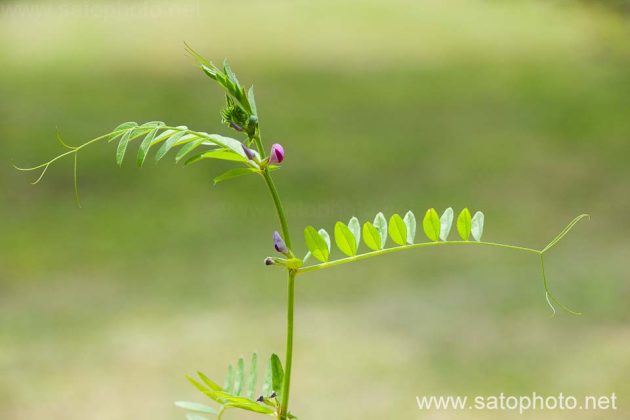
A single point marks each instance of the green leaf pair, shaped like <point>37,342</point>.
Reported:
<point>437,228</point>
<point>156,132</point>
<point>401,230</point>
<point>239,390</point>
<point>348,237</point>
<point>467,225</point>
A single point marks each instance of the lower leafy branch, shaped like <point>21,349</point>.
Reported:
<point>239,391</point>
<point>402,231</point>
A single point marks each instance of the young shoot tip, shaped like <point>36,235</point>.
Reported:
<point>196,56</point>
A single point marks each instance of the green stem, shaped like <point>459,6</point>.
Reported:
<point>259,144</point>
<point>279,209</point>
<point>401,248</point>
<point>286,384</point>
<point>273,190</point>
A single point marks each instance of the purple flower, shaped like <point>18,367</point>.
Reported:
<point>248,152</point>
<point>277,154</point>
<point>279,244</point>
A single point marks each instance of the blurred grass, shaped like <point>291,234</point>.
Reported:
<point>519,109</point>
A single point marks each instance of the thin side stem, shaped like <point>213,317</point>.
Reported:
<point>404,247</point>
<point>286,384</point>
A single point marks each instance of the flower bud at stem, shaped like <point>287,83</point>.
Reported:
<point>279,245</point>
<point>236,126</point>
<point>277,154</point>
<point>249,153</point>
<point>290,263</point>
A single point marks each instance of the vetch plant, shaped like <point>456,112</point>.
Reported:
<point>356,240</point>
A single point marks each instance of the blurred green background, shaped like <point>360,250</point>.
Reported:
<point>521,109</point>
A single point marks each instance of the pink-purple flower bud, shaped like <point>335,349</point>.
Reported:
<point>248,152</point>
<point>277,154</point>
<point>278,243</point>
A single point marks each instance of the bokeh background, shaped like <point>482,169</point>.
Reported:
<point>521,109</point>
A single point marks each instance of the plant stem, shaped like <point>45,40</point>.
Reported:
<point>286,384</point>
<point>279,209</point>
<point>259,144</point>
<point>273,190</point>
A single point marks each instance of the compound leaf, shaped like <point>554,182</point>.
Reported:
<point>122,129</point>
<point>239,377</point>
<point>122,146</point>
<point>230,143</point>
<point>355,228</point>
<point>192,406</point>
<point>446,222</point>
<point>245,404</point>
<point>345,240</point>
<point>220,154</point>
<point>431,224</point>
<point>326,237</point>
<point>371,236</point>
<point>186,149</point>
<point>212,385</point>
<point>191,416</point>
<point>163,136</point>
<point>234,173</point>
<point>229,380</point>
<point>252,100</point>
<point>143,150</point>
<point>277,374</point>
<point>251,379</point>
<point>397,229</point>
<point>210,393</point>
<point>410,223</point>
<point>229,73</point>
<point>267,381</point>
<point>476,226</point>
<point>316,244</point>
<point>380,223</point>
<point>169,143</point>
<point>464,224</point>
